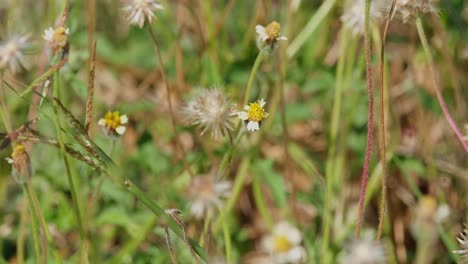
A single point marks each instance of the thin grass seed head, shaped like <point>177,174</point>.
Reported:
<point>212,111</point>
<point>12,53</point>
<point>113,124</point>
<point>139,11</point>
<point>206,195</point>
<point>364,251</point>
<point>21,164</point>
<point>463,241</point>
<point>268,37</point>
<point>354,19</point>
<point>284,244</point>
<point>253,115</point>
<point>57,38</point>
<point>410,9</point>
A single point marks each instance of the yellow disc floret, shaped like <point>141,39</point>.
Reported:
<point>273,30</point>
<point>18,150</point>
<point>281,244</point>
<point>256,112</point>
<point>112,120</point>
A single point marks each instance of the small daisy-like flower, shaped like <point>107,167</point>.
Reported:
<point>211,110</point>
<point>284,244</point>
<point>463,241</point>
<point>354,18</point>
<point>113,123</point>
<point>364,251</point>
<point>12,53</point>
<point>254,114</point>
<point>268,36</point>
<point>140,10</point>
<point>21,170</point>
<point>206,195</point>
<point>57,38</point>
<point>407,9</point>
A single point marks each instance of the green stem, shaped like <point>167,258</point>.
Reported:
<point>258,197</point>
<point>310,28</point>
<point>253,72</point>
<point>227,242</point>
<point>76,207</point>
<point>35,229</point>
<point>238,186</point>
<point>331,160</point>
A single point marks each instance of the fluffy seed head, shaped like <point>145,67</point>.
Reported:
<point>212,111</point>
<point>408,9</point>
<point>364,251</point>
<point>206,195</point>
<point>354,19</point>
<point>12,53</point>
<point>139,11</point>
<point>463,241</point>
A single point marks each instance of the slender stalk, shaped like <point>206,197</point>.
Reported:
<point>331,159</point>
<point>168,95</point>
<point>253,72</point>
<point>258,197</point>
<point>310,28</point>
<point>440,98</point>
<point>35,229</point>
<point>227,242</point>
<point>35,212</point>
<point>76,207</point>
<point>365,172</point>
<point>21,235</point>
<point>382,129</point>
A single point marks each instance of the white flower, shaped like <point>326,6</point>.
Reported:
<point>211,110</point>
<point>284,244</point>
<point>364,251</point>
<point>12,53</point>
<point>354,18</point>
<point>254,114</point>
<point>113,123</point>
<point>268,36</point>
<point>206,195</point>
<point>139,10</point>
<point>463,241</point>
<point>56,38</point>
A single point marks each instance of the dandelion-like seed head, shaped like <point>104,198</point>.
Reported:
<point>364,251</point>
<point>463,241</point>
<point>284,244</point>
<point>113,123</point>
<point>57,38</point>
<point>21,163</point>
<point>12,53</point>
<point>212,111</point>
<point>206,195</point>
<point>354,19</point>
<point>408,9</point>
<point>267,37</point>
<point>254,114</point>
<point>138,11</point>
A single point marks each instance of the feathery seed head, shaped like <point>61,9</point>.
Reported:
<point>364,251</point>
<point>206,195</point>
<point>12,53</point>
<point>139,11</point>
<point>409,9</point>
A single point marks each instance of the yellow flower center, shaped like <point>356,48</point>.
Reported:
<point>19,149</point>
<point>60,37</point>
<point>256,112</point>
<point>112,120</point>
<point>281,244</point>
<point>273,30</point>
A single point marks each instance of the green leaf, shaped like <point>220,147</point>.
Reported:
<point>264,168</point>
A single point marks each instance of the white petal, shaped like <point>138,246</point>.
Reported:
<point>282,38</point>
<point>243,115</point>
<point>48,34</point>
<point>253,126</point>
<point>9,160</point>
<point>67,31</point>
<point>120,130</point>
<point>123,119</point>
<point>246,108</point>
<point>267,243</point>
<point>102,122</point>
<point>289,231</point>
<point>262,102</point>
<point>296,255</point>
<point>261,32</point>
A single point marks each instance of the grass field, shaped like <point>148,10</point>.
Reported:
<point>268,131</point>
